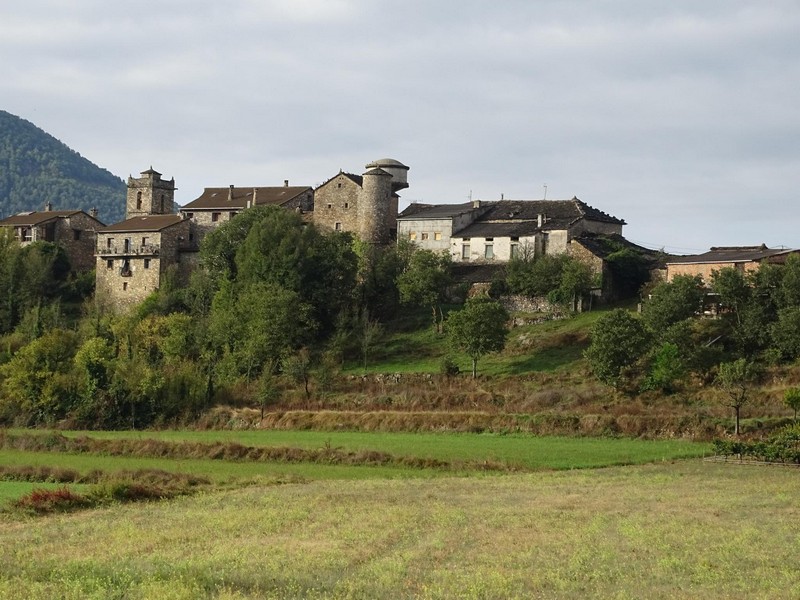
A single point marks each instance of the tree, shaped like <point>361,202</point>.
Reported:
<point>786,332</point>
<point>618,340</point>
<point>575,282</point>
<point>733,288</point>
<point>734,380</point>
<point>667,368</point>
<point>369,332</point>
<point>298,368</point>
<point>425,281</point>
<point>672,302</point>
<point>791,398</point>
<point>478,328</point>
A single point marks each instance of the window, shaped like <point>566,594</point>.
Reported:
<point>514,249</point>
<point>214,217</point>
<point>162,204</point>
<point>27,234</point>
<point>146,263</point>
<point>232,214</point>
<point>465,251</point>
<point>124,286</point>
<point>437,235</point>
<point>330,205</point>
<point>138,200</point>
<point>109,242</point>
<point>488,249</point>
<point>412,235</point>
<point>144,241</point>
<point>110,263</point>
<point>190,215</point>
<point>347,205</point>
<point>424,236</point>
<point>337,226</point>
<point>76,235</point>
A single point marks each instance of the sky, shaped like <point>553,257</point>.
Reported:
<point>680,117</point>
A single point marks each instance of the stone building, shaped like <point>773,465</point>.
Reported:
<point>496,231</point>
<point>742,258</point>
<point>219,205</point>
<point>133,256</point>
<point>73,230</point>
<point>365,205</point>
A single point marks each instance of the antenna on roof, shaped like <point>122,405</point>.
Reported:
<point>470,196</point>
<point>545,192</point>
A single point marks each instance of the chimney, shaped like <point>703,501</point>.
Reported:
<point>540,220</point>
<point>48,207</point>
<point>476,204</point>
<point>285,183</point>
<point>255,194</point>
<point>93,212</point>
<point>230,193</point>
<point>502,196</point>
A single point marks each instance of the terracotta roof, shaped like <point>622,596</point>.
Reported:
<point>218,197</point>
<point>144,223</point>
<point>730,254</point>
<point>38,217</point>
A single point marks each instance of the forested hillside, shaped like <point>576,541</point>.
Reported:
<point>36,168</point>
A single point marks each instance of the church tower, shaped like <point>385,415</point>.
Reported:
<point>150,195</point>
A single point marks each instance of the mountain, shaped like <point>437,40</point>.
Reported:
<point>36,168</point>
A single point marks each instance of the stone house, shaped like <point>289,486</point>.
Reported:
<point>219,205</point>
<point>365,205</point>
<point>73,230</point>
<point>496,231</point>
<point>742,258</point>
<point>133,256</point>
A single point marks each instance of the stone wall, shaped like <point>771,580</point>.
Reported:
<point>77,234</point>
<point>149,195</point>
<point>337,202</point>
<point>705,270</point>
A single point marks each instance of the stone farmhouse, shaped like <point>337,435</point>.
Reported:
<point>132,257</point>
<point>73,230</point>
<point>218,205</point>
<point>743,258</point>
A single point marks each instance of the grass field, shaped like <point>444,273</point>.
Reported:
<point>670,530</point>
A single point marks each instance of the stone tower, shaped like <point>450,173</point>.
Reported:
<point>377,203</point>
<point>150,195</point>
<point>374,207</point>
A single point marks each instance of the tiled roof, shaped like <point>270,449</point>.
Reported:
<point>435,211</point>
<point>557,213</point>
<point>144,223</point>
<point>475,273</point>
<point>730,254</point>
<point>603,245</point>
<point>37,217</point>
<point>219,197</point>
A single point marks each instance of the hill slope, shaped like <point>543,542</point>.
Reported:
<point>36,168</point>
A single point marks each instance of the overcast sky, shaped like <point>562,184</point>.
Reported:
<point>680,117</point>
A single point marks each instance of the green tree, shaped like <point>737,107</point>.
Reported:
<point>734,380</point>
<point>668,367</point>
<point>791,398</point>
<point>425,282</point>
<point>733,288</point>
<point>575,282</point>
<point>786,332</point>
<point>789,291</point>
<point>672,302</point>
<point>298,368</point>
<point>618,340</point>
<point>478,328</point>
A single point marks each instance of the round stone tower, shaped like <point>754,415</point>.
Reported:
<point>395,168</point>
<point>374,207</point>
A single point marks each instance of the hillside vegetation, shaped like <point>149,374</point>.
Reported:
<point>36,168</point>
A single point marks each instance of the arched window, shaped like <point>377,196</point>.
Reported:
<point>138,200</point>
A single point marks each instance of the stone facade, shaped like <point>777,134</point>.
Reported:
<point>149,195</point>
<point>336,203</point>
<point>133,257</point>
<point>73,230</point>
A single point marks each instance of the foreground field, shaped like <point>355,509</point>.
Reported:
<point>682,530</point>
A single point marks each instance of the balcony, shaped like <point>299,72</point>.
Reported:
<point>129,250</point>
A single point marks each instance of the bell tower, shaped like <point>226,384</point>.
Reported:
<point>149,195</point>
